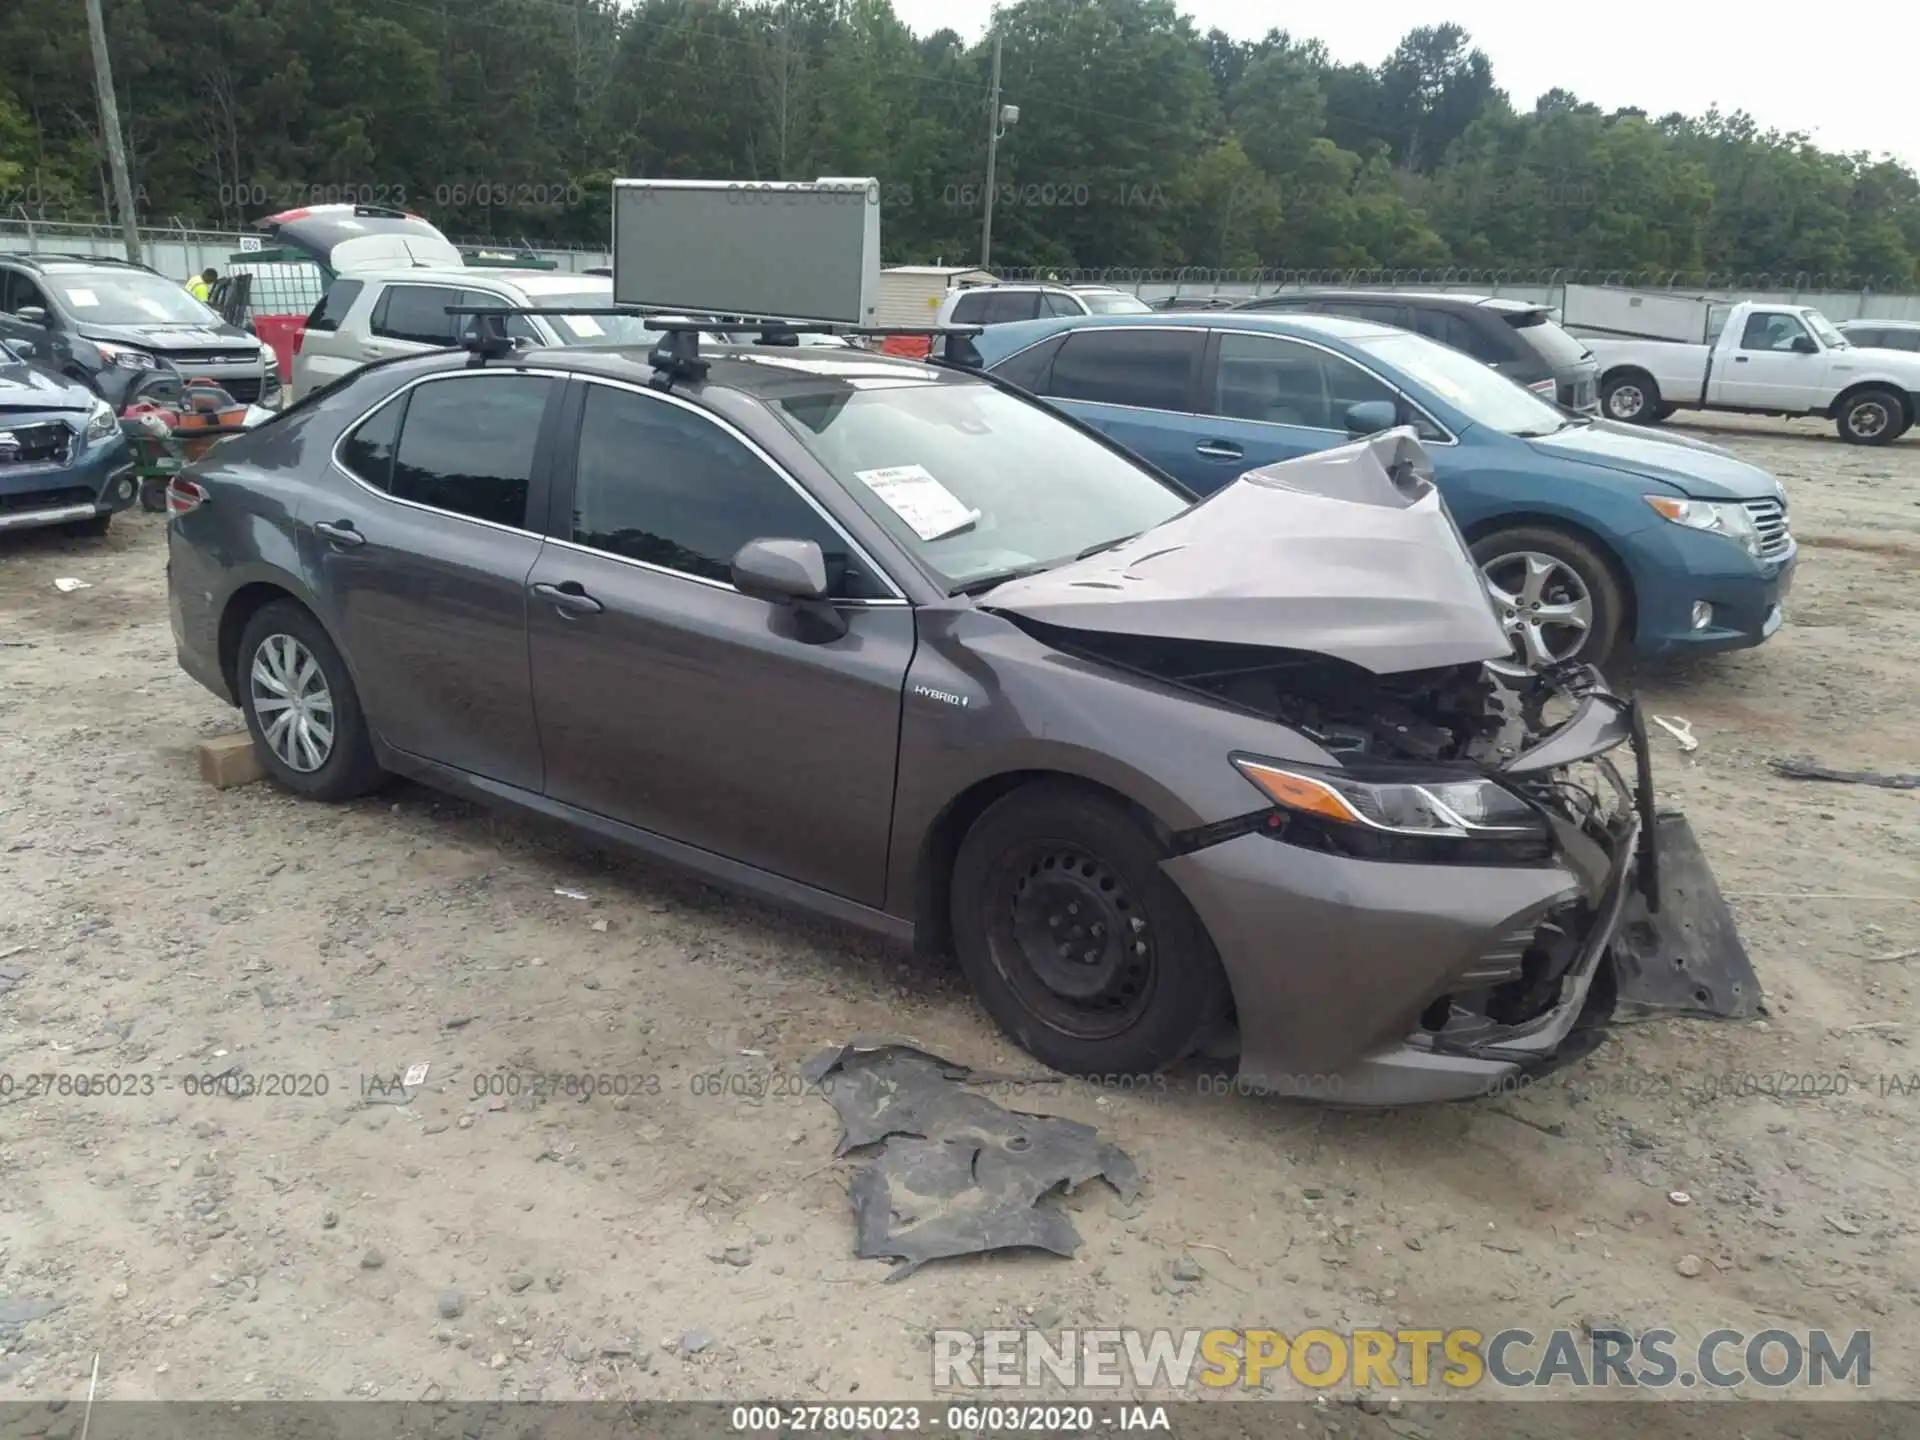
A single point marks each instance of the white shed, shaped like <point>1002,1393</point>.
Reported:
<point>910,294</point>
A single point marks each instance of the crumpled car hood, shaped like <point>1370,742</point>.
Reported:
<point>1348,553</point>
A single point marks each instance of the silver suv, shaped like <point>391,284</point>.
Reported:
<point>370,315</point>
<point>1003,304</point>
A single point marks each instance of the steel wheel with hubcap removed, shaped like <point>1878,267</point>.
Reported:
<point>1075,940</point>
<point>301,707</point>
<point>1555,597</point>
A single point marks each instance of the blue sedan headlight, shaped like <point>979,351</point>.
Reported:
<point>1728,518</point>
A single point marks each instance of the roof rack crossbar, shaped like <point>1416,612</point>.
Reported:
<point>677,356</point>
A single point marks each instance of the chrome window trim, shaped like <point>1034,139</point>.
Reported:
<point>729,428</point>
<point>333,455</point>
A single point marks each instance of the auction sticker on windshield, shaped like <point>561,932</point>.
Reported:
<point>82,299</point>
<point>928,507</point>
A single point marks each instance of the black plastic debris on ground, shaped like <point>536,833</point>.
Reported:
<point>1803,769</point>
<point>955,1174</point>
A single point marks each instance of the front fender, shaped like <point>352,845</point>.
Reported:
<point>984,700</point>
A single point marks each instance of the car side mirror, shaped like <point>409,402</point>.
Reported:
<point>1370,417</point>
<point>25,349</point>
<point>1803,345</point>
<point>32,314</point>
<point>781,571</point>
<point>791,574</point>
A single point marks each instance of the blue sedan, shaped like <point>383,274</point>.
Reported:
<point>1591,535</point>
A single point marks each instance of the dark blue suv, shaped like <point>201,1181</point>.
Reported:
<point>63,458</point>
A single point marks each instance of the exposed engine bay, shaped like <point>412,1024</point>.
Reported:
<point>1473,712</point>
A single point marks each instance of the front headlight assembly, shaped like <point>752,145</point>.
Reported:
<point>125,356</point>
<point>1390,812</point>
<point>1716,517</point>
<point>101,421</point>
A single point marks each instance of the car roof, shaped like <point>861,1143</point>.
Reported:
<point>1309,327</point>
<point>78,264</point>
<point>1424,297</point>
<point>476,275</point>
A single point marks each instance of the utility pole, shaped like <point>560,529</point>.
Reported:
<point>110,126</point>
<point>993,145</point>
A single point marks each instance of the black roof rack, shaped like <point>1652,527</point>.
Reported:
<point>677,356</point>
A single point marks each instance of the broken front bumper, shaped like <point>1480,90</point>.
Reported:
<point>1344,971</point>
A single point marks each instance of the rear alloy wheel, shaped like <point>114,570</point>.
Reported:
<point>301,707</point>
<point>1556,598</point>
<point>1076,943</point>
<point>1873,417</point>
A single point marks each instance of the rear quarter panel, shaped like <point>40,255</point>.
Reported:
<point>260,486</point>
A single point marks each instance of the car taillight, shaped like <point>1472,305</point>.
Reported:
<point>299,338</point>
<point>184,495</point>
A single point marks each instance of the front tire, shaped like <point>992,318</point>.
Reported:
<point>1873,417</point>
<point>1556,595</point>
<point>1078,945</point>
<point>1633,398</point>
<point>301,707</point>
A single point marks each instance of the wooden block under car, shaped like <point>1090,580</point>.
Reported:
<point>230,760</point>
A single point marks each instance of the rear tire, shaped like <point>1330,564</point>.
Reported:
<point>1051,875</point>
<point>1872,417</point>
<point>301,707</point>
<point>1632,397</point>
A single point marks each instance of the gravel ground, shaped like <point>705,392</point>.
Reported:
<point>692,1237</point>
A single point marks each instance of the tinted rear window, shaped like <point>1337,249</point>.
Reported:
<point>334,305</point>
<point>1547,339</point>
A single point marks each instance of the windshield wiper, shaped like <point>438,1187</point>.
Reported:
<point>982,583</point>
<point>1106,545</point>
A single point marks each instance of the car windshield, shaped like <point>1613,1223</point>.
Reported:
<point>979,484</point>
<point>1823,327</point>
<point>1115,304</point>
<point>132,298</point>
<point>1483,395</point>
<point>593,329</point>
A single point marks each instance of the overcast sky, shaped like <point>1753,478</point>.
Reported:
<point>1853,83</point>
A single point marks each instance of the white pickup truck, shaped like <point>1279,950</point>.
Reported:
<point>1767,360</point>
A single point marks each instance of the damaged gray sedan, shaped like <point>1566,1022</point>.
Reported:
<point>896,643</point>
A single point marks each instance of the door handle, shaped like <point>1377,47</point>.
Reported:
<point>341,533</point>
<point>568,598</point>
<point>1739,359</point>
<point>1219,450</point>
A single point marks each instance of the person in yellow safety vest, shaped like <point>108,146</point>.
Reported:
<point>201,286</point>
